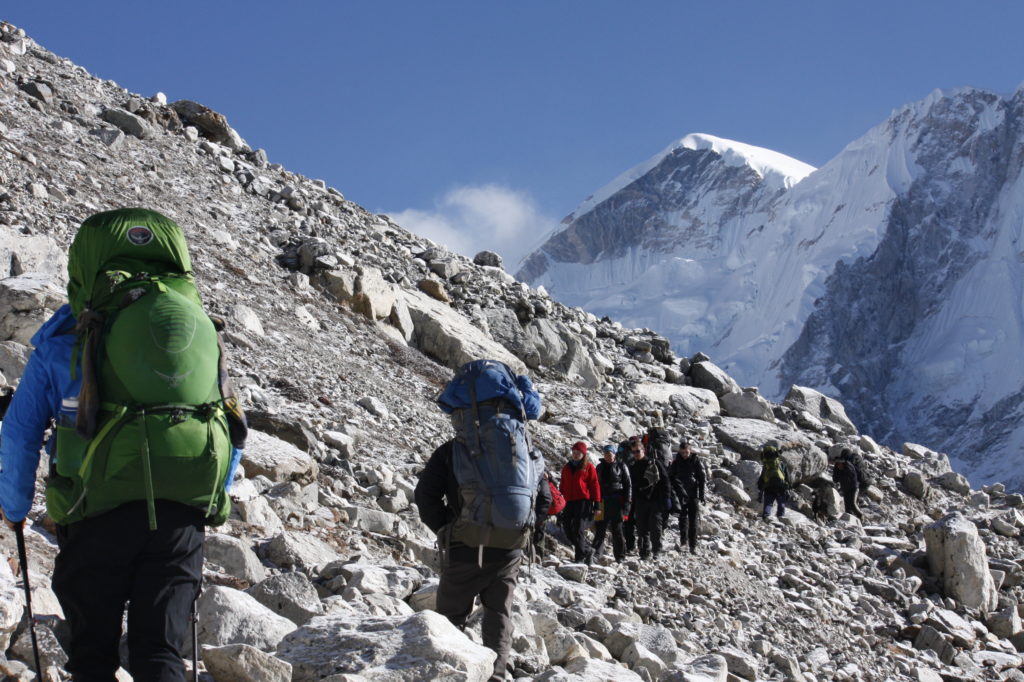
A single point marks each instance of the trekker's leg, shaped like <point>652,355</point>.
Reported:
<point>461,582</point>
<point>91,577</point>
<point>496,626</point>
<point>168,573</point>
<point>655,526</point>
<point>600,530</point>
<point>780,505</point>
<point>692,512</point>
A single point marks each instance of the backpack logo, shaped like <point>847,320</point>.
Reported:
<point>140,235</point>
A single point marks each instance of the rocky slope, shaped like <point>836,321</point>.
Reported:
<point>889,278</point>
<point>342,329</point>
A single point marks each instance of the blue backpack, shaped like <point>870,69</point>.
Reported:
<point>497,470</point>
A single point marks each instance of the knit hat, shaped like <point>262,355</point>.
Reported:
<point>608,448</point>
<point>685,443</point>
<point>581,446</point>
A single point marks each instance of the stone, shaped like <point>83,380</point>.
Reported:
<point>747,405</point>
<point>958,559</point>
<point>51,655</point>
<point>951,480</point>
<point>228,616</point>
<point>372,520</point>
<point>699,403</point>
<point>1005,623</point>
<point>374,297</point>
<point>423,646</point>
<point>244,663</point>
<point>278,460</point>
<point>339,283</point>
<point>235,556</point>
<point>128,122</point>
<point>574,572</point>
<point>425,597</point>
<point>374,406</point>
<point>300,551</point>
<point>450,338</point>
<point>729,491</point>
<point>400,318</point>
<point>916,484</point>
<point>41,91</point>
<point>291,595</point>
<point>712,377</point>
<point>212,125</point>
<point>738,662</point>
<point>585,669</point>
<point>488,258</point>
<point>830,410</point>
<point>558,639</point>
<point>638,657</point>
<point>246,318</point>
<point>434,289</point>
<point>36,253</point>
<point>12,605</point>
<point>258,513</point>
<point>29,292</point>
<point>950,623</point>
<point>930,638</point>
<point>397,581</point>
<point>805,460</point>
<point>655,638</point>
<point>927,461</point>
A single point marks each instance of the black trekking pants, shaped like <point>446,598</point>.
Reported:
<point>850,502</point>
<point>108,560</point>
<point>688,522</point>
<point>574,522</point>
<point>611,524</point>
<point>495,583</point>
<point>648,527</point>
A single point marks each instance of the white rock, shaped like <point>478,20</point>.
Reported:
<point>244,663</point>
<point>424,646</point>
<point>228,616</point>
<point>278,460</point>
<point>957,558</point>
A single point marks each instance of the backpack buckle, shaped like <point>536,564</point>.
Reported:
<point>178,416</point>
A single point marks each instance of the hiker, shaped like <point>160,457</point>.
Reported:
<point>651,497</point>
<point>628,450</point>
<point>658,445</point>
<point>554,509</point>
<point>616,492</point>
<point>773,483</point>
<point>482,543</point>
<point>582,494</point>
<point>135,537</point>
<point>846,474</point>
<point>688,480</point>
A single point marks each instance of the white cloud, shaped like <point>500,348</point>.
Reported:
<point>476,218</point>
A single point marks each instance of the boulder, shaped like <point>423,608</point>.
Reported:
<point>655,638</point>
<point>374,297</point>
<point>957,558</point>
<point>578,366</point>
<point>747,405</point>
<point>212,125</point>
<point>279,461</point>
<point>916,484</point>
<point>699,403</point>
<point>128,122</point>
<point>712,377</point>
<point>927,461</point>
<point>423,646</point>
<point>638,657</point>
<point>397,581</point>
<point>488,258</point>
<point>829,410</point>
<point>372,520</point>
<point>955,482</point>
<point>300,552</point>
<point>12,605</point>
<point>244,663</point>
<point>291,595</point>
<point>451,338</point>
<point>235,556</point>
<point>747,436</point>
<point>31,253</point>
<point>228,616</point>
<point>548,340</point>
<point>13,359</point>
<point>709,668</point>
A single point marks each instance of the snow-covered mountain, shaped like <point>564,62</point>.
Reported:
<point>891,277</point>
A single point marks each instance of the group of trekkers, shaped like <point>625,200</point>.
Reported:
<point>129,388</point>
<point>629,495</point>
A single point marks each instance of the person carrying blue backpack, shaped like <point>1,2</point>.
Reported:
<point>481,493</point>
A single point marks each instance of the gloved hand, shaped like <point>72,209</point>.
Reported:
<point>667,504</point>
<point>587,509</point>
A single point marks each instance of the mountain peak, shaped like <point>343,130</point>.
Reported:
<point>778,170</point>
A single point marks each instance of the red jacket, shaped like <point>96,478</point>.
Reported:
<point>580,484</point>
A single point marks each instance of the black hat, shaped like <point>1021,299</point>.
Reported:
<point>685,443</point>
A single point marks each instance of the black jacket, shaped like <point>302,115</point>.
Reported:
<point>614,479</point>
<point>650,481</point>
<point>846,475</point>
<point>688,478</point>
<point>437,497</point>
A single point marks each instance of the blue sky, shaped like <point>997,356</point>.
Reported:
<point>482,123</point>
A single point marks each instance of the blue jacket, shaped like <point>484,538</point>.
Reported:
<point>43,387</point>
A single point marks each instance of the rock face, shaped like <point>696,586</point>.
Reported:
<point>424,646</point>
<point>957,557</point>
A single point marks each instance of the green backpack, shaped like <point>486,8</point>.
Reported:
<point>773,477</point>
<point>155,420</point>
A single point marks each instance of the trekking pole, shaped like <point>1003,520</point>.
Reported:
<point>19,532</point>
<point>195,638</point>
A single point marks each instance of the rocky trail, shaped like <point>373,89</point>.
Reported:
<point>343,327</point>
